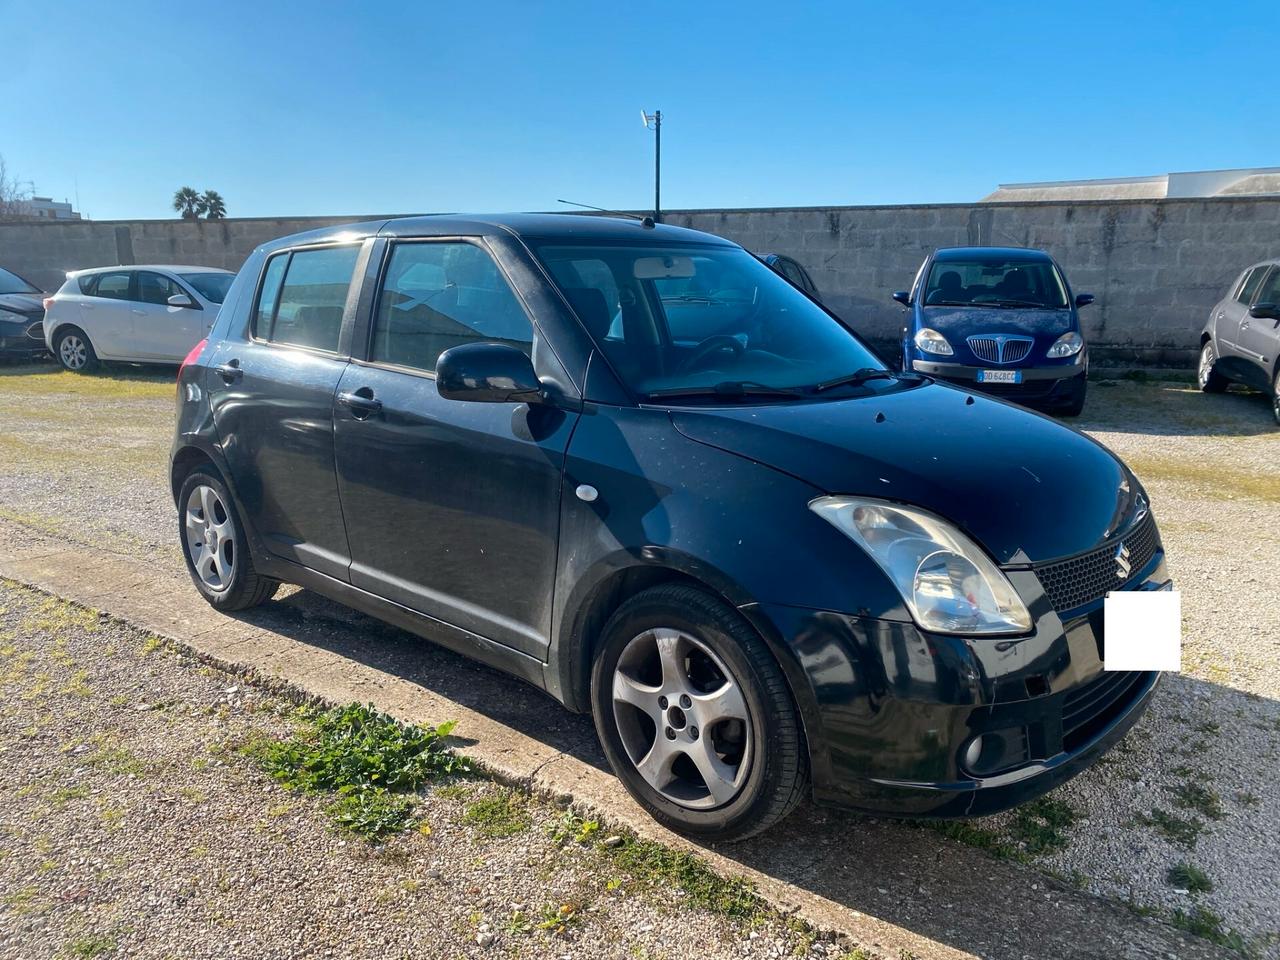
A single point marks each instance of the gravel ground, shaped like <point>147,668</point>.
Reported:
<point>131,824</point>
<point>1194,784</point>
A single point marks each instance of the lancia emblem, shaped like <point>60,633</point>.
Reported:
<point>1123,566</point>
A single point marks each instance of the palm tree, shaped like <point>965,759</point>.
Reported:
<point>188,203</point>
<point>215,208</point>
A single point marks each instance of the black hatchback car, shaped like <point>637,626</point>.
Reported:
<point>765,563</point>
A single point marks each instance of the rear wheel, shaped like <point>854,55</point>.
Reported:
<point>1207,375</point>
<point>1275,396</point>
<point>213,543</point>
<point>695,715</point>
<point>74,351</point>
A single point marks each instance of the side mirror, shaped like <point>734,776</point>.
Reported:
<point>1084,299</point>
<point>180,300</point>
<point>903,297</point>
<point>1265,311</point>
<point>487,373</point>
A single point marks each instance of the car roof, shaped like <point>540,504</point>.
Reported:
<point>168,267</point>
<point>962,253</point>
<point>526,226</point>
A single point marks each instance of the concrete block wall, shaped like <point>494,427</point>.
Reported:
<point>1156,266</point>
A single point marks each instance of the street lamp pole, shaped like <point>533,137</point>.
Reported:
<point>653,121</point>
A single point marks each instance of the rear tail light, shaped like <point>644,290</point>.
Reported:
<point>191,357</point>
<point>48,302</point>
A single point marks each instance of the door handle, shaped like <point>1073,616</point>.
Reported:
<point>140,313</point>
<point>230,371</point>
<point>361,402</point>
<point>1245,325</point>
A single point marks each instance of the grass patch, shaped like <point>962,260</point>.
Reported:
<point>502,813</point>
<point>660,866</point>
<point>1211,478</point>
<point>369,759</point>
<point>1203,922</point>
<point>118,383</point>
<point>1172,827</point>
<point>1038,828</point>
<point>1189,877</point>
<point>93,945</point>
<point>1201,799</point>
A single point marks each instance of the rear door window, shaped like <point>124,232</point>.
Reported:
<point>304,295</point>
<point>113,286</point>
<point>437,295</point>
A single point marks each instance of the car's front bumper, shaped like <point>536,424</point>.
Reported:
<point>892,708</point>
<point>22,338</point>
<point>1059,383</point>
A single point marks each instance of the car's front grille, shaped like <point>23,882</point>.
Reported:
<point>1077,581</point>
<point>1000,349</point>
<point>1089,710</point>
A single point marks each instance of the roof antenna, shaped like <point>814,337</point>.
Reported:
<point>644,221</point>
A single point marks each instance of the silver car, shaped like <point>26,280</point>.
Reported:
<point>1241,341</point>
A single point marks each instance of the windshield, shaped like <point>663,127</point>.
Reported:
<point>12,283</point>
<point>212,286</point>
<point>686,318</point>
<point>995,281</point>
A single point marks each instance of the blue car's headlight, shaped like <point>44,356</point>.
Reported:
<point>1067,345</point>
<point>931,341</point>
<point>948,583</point>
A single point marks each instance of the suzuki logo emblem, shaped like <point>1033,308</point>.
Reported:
<point>1123,566</point>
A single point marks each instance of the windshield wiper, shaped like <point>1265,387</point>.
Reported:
<point>726,388</point>
<point>863,375</point>
<point>1006,302</point>
<point>692,298</point>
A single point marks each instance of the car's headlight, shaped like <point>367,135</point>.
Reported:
<point>1067,345</point>
<point>931,341</point>
<point>949,584</point>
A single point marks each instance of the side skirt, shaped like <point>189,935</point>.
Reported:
<point>461,641</point>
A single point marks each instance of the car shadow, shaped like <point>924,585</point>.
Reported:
<point>900,872</point>
<point>1174,409</point>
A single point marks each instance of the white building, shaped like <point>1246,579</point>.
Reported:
<point>46,208</point>
<point>1251,181</point>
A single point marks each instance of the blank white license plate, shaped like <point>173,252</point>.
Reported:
<point>1143,630</point>
<point>999,376</point>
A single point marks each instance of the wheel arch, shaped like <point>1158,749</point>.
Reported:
<point>184,462</point>
<point>581,627</point>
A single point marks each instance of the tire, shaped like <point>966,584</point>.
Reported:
<point>1075,406</point>
<point>216,552</point>
<point>661,649</point>
<point>1207,375</point>
<point>74,351</point>
<point>1275,396</point>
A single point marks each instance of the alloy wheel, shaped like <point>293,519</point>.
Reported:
<point>682,718</point>
<point>1207,360</point>
<point>211,538</point>
<point>72,352</point>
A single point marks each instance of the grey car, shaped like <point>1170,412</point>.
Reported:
<point>1241,341</point>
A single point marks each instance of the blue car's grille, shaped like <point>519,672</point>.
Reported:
<point>1000,349</point>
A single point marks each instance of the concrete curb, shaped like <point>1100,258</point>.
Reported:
<point>819,881</point>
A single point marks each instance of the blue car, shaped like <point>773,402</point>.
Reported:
<point>999,320</point>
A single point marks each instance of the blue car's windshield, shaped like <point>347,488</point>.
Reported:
<point>687,318</point>
<point>995,281</point>
<point>12,283</point>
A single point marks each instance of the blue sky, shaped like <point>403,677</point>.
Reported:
<point>319,108</point>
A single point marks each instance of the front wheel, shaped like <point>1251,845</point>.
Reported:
<point>1275,396</point>
<point>1207,375</point>
<point>213,543</point>
<point>696,717</point>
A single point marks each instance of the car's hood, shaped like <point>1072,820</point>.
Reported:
<point>22,302</point>
<point>966,321</point>
<point>1025,487</point>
